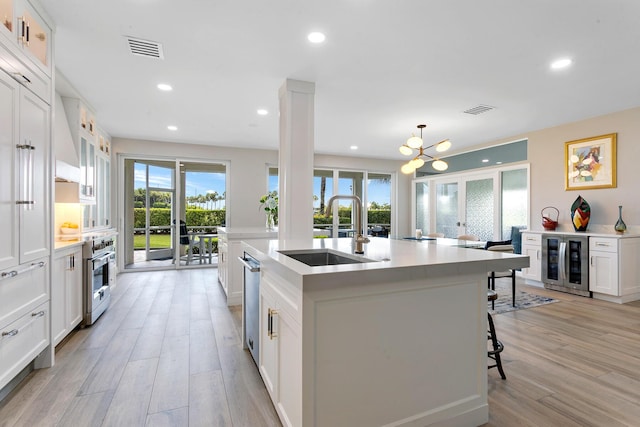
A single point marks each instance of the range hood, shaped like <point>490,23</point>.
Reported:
<point>67,161</point>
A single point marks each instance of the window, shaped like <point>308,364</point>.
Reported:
<point>373,188</point>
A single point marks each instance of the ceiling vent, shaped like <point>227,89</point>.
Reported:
<point>146,48</point>
<point>479,109</point>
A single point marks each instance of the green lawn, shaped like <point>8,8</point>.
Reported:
<point>161,241</point>
<point>156,241</point>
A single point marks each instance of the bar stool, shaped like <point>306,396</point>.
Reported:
<point>496,345</point>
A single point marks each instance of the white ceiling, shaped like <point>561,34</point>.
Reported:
<point>385,67</point>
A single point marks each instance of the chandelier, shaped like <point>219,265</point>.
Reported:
<point>415,143</point>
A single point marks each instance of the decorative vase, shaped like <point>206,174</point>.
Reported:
<point>580,214</point>
<point>270,221</point>
<point>620,226</point>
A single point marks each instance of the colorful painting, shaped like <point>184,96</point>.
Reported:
<point>591,163</point>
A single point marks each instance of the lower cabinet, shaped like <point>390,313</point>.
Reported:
<point>223,263</point>
<point>66,292</point>
<point>22,340</point>
<point>281,352</point>
<point>614,270</point>
<point>532,246</point>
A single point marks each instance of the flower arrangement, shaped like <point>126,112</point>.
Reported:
<point>269,202</point>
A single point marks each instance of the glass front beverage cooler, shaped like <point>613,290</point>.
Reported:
<point>565,263</point>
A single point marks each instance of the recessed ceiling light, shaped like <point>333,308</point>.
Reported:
<point>172,127</point>
<point>561,63</point>
<point>316,37</point>
<point>485,160</point>
<point>354,147</point>
<point>262,112</point>
<point>165,87</point>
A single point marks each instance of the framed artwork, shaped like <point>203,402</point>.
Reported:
<point>590,163</point>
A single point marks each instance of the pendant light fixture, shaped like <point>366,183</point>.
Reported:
<point>415,143</point>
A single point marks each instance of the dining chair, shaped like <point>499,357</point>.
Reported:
<point>187,239</point>
<point>435,235</point>
<point>506,247</point>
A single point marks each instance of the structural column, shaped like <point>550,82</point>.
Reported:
<point>295,211</point>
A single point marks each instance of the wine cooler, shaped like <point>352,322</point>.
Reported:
<point>565,263</point>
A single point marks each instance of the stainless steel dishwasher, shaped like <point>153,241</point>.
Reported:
<point>251,304</point>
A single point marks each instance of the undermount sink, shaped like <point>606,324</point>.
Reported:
<point>318,257</point>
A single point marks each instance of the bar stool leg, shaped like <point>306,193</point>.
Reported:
<point>497,348</point>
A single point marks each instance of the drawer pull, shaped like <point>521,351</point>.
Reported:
<point>12,273</point>
<point>602,244</point>
<point>11,333</point>
<point>38,314</point>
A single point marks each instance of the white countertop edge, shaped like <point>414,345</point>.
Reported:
<point>394,256</point>
<point>58,246</point>
<point>584,233</point>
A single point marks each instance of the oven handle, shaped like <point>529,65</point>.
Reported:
<point>100,261</point>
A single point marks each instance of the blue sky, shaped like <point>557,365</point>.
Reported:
<point>204,182</point>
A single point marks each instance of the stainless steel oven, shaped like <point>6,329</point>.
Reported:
<point>99,276</point>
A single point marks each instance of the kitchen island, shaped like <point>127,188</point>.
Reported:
<point>400,339</point>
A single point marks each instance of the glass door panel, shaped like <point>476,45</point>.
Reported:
<point>350,183</point>
<point>149,213</point>
<point>447,216</point>
<point>479,208</point>
<point>422,207</point>
<point>159,233</point>
<point>378,204</point>
<point>202,210</point>
<point>322,191</point>
<point>514,200</point>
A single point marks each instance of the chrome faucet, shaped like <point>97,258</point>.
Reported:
<point>360,239</point>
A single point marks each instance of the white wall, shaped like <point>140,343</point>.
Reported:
<point>247,175</point>
<point>546,155</point>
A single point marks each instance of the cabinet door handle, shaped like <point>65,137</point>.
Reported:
<point>270,332</point>
<point>11,333</point>
<point>38,314</point>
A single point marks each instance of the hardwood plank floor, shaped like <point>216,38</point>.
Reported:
<point>152,359</point>
<point>168,353</point>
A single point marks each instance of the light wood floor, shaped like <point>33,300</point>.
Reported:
<point>168,353</point>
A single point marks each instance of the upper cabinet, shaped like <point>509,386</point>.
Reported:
<point>27,30</point>
<point>83,132</point>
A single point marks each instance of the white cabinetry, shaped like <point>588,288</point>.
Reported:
<point>24,175</point>
<point>281,347</point>
<point>614,273</point>
<point>223,261</point>
<point>66,292</point>
<point>25,179</point>
<point>82,127</point>
<point>103,180</point>
<point>22,340</point>
<point>532,246</point>
<point>24,28</point>
<point>230,269</point>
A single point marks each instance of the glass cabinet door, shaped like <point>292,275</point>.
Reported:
<point>6,14</point>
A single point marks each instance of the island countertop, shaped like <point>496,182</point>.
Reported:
<point>441,256</point>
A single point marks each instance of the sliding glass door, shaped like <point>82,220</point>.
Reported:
<point>171,211</point>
